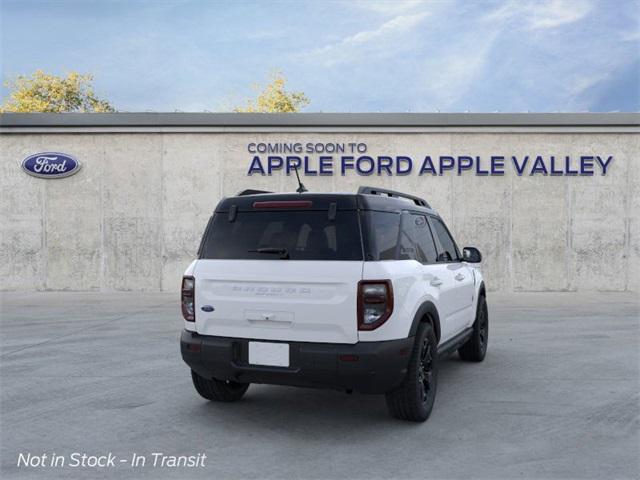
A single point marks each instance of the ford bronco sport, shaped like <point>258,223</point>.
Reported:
<point>359,292</point>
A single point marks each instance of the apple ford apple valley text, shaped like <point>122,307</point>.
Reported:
<point>344,158</point>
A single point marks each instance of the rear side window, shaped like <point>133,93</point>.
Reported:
<point>305,235</point>
<point>425,248</point>
<point>448,246</point>
<point>381,235</point>
<point>395,236</point>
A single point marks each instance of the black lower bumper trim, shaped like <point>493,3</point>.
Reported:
<point>367,367</point>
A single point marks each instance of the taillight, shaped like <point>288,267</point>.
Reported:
<point>188,299</point>
<point>284,204</point>
<point>375,303</point>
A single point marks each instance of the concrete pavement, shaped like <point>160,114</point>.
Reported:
<point>557,397</point>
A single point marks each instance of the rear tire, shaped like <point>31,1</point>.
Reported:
<point>413,399</point>
<point>218,390</point>
<point>475,349</point>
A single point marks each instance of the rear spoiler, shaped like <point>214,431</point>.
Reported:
<point>251,191</point>
<point>392,193</point>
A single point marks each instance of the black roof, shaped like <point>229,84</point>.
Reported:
<point>322,201</point>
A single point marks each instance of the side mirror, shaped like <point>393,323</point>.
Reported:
<point>471,255</point>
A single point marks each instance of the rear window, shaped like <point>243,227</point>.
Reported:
<point>304,235</point>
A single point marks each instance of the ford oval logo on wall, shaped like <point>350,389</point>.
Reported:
<point>50,165</point>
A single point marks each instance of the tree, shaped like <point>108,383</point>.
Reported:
<point>275,99</point>
<point>42,92</point>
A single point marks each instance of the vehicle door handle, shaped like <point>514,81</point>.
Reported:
<point>436,282</point>
<point>459,277</point>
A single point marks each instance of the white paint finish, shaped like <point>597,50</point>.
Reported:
<point>288,300</point>
<point>413,285</point>
<point>406,278</point>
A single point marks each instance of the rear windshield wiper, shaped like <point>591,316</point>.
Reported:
<point>283,252</point>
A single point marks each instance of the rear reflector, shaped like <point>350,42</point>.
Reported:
<point>349,358</point>
<point>284,204</point>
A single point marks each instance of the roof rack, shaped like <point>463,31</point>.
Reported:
<point>250,191</point>
<point>392,193</point>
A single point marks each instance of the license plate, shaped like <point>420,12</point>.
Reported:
<point>270,354</point>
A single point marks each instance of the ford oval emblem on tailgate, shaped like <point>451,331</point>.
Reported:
<point>50,165</point>
<point>207,308</point>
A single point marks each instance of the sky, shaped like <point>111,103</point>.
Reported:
<point>346,56</point>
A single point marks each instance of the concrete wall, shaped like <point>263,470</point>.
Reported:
<point>131,219</point>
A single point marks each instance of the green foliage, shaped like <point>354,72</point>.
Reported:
<point>42,92</point>
<point>275,99</point>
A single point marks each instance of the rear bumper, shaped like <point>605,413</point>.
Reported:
<point>367,367</point>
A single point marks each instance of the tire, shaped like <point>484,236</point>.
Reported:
<point>413,399</point>
<point>218,390</point>
<point>475,349</point>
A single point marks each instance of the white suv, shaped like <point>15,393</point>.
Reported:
<point>355,292</point>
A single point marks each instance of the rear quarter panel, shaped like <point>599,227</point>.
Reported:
<point>410,291</point>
